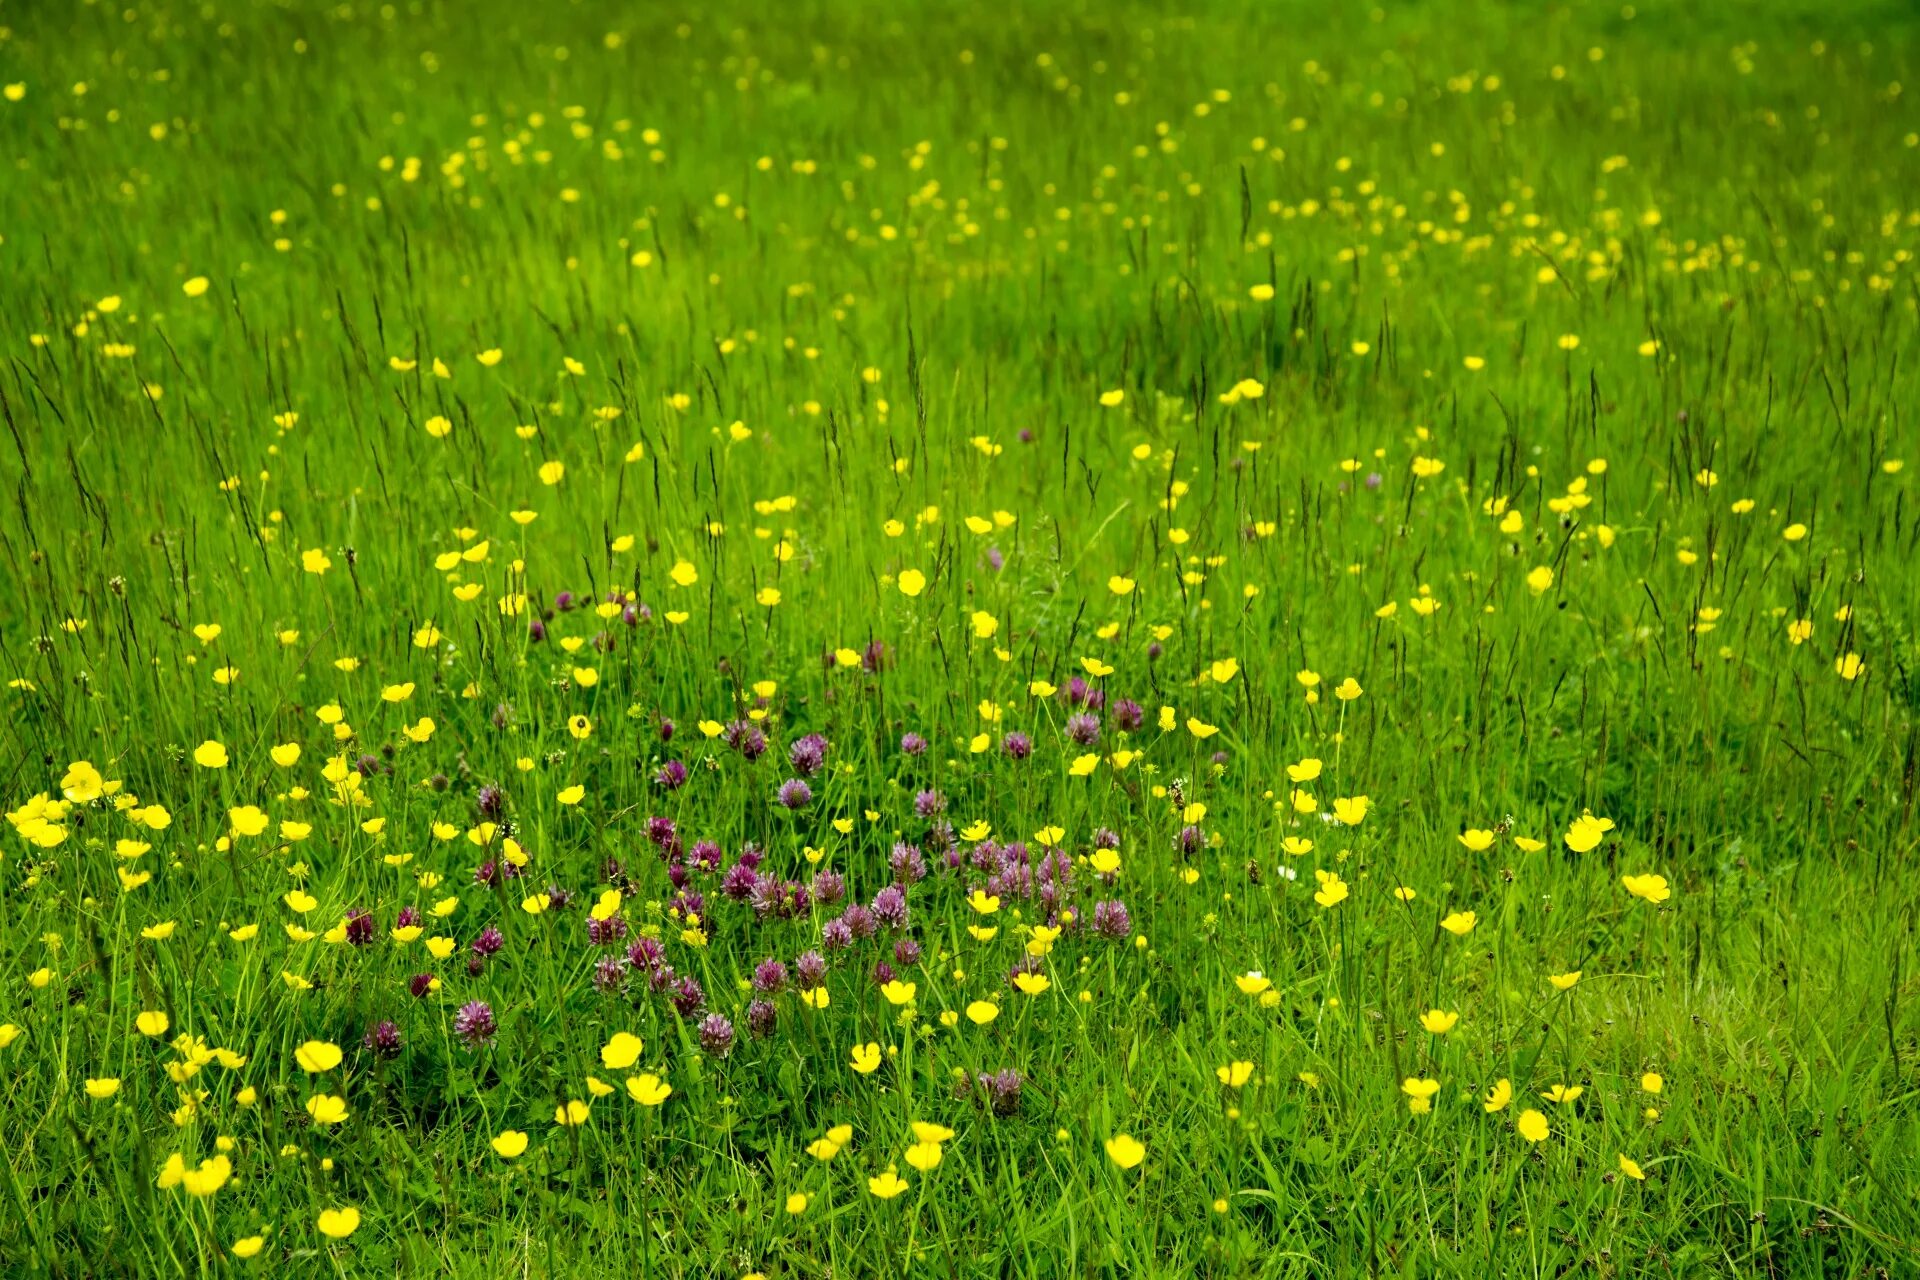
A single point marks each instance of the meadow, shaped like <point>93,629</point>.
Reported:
<point>851,639</point>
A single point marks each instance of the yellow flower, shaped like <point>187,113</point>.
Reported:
<point>1333,891</point>
<point>1499,1096</point>
<point>1235,1074</point>
<point>924,1156</point>
<point>208,1178</point>
<point>1563,981</point>
<point>327,1108</point>
<point>1126,1151</point>
<point>247,820</point>
<point>981,1012</point>
<point>339,1223</point>
<point>866,1058</point>
<point>1632,1169</point>
<point>898,992</point>
<point>831,1143</point>
<point>621,1052</point>
<point>317,1055</point>
<point>248,1246</point>
<point>1651,887</point>
<point>210,755</point>
<point>1438,1022</point>
<point>104,1087</point>
<point>571,1114</point>
<point>1252,983</point>
<point>648,1090</point>
<point>1532,1126</point>
<point>152,1023</point>
<point>1586,832</point>
<point>925,1131</point>
<point>509,1144</point>
<point>1032,984</point>
<point>886,1185</point>
<point>1351,810</point>
<point>911,582</point>
<point>1460,923</point>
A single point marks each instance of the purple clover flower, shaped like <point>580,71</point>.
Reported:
<point>383,1040</point>
<point>808,755</point>
<point>474,1023</point>
<point>716,1035</point>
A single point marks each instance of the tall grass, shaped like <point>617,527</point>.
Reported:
<point>880,371</point>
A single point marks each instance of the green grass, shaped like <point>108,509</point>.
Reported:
<point>1567,319</point>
